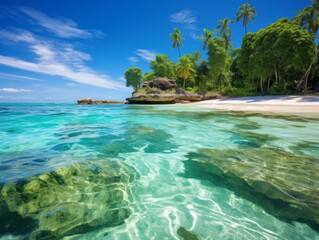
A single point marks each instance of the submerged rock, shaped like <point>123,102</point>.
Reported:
<point>70,200</point>
<point>265,175</point>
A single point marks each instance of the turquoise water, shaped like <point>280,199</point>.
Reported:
<point>160,187</point>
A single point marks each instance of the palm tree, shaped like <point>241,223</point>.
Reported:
<point>177,38</point>
<point>246,12</point>
<point>206,37</point>
<point>184,70</point>
<point>224,31</point>
<point>308,18</point>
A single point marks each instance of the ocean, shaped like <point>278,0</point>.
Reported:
<point>72,171</point>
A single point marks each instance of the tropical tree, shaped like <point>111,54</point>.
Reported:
<point>163,67</point>
<point>276,51</point>
<point>177,39</point>
<point>197,57</point>
<point>184,70</point>
<point>217,62</point>
<point>308,18</point>
<point>246,12</point>
<point>224,30</point>
<point>134,77</point>
<point>206,37</point>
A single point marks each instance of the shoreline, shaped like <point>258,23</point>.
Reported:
<point>275,104</point>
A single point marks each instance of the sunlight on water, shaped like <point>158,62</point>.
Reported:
<point>156,172</point>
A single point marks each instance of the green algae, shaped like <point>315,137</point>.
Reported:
<point>67,201</point>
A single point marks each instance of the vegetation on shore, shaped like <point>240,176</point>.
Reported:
<point>279,59</point>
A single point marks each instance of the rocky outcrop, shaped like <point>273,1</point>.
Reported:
<point>284,184</point>
<point>165,91</point>
<point>68,201</point>
<point>90,101</point>
<point>85,101</point>
<point>161,83</point>
<point>140,98</point>
<point>152,99</point>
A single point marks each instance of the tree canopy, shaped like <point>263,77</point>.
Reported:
<point>133,77</point>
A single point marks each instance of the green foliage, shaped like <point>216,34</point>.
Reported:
<point>268,55</point>
<point>185,68</point>
<point>201,76</point>
<point>217,62</point>
<point>246,12</point>
<point>177,39</point>
<point>133,77</point>
<point>208,35</point>
<point>224,31</point>
<point>149,76</point>
<point>163,67</point>
<point>308,18</point>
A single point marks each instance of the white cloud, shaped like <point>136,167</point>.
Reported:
<point>57,60</point>
<point>122,78</point>
<point>133,59</point>
<point>18,77</point>
<point>22,36</point>
<point>72,84</point>
<point>146,54</point>
<point>186,18</point>
<point>14,90</point>
<point>64,28</point>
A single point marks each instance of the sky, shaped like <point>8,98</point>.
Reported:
<point>61,51</point>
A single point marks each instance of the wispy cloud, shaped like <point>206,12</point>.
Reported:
<point>133,59</point>
<point>56,60</point>
<point>185,18</point>
<point>19,77</point>
<point>62,27</point>
<point>145,54</point>
<point>14,90</point>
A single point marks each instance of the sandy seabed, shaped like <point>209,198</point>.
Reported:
<point>276,104</point>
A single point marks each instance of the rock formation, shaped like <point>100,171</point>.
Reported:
<point>165,91</point>
<point>90,101</point>
<point>284,184</point>
<point>68,201</point>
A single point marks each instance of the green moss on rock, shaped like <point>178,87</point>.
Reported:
<point>70,200</point>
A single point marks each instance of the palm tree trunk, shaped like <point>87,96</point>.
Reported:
<point>179,51</point>
<point>268,85</point>
<point>245,29</point>
<point>304,78</point>
<point>261,86</point>
<point>184,84</point>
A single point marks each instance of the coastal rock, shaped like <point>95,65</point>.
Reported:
<point>161,83</point>
<point>284,184</point>
<point>141,98</point>
<point>90,101</point>
<point>106,102</point>
<point>85,101</point>
<point>68,201</point>
<point>152,99</point>
<point>193,97</point>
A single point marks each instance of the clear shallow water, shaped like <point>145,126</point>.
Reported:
<point>167,197</point>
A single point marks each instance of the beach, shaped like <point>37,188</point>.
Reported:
<point>275,104</point>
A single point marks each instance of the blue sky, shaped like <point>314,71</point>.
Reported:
<point>60,51</point>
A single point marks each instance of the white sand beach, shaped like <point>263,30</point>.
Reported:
<point>276,104</point>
